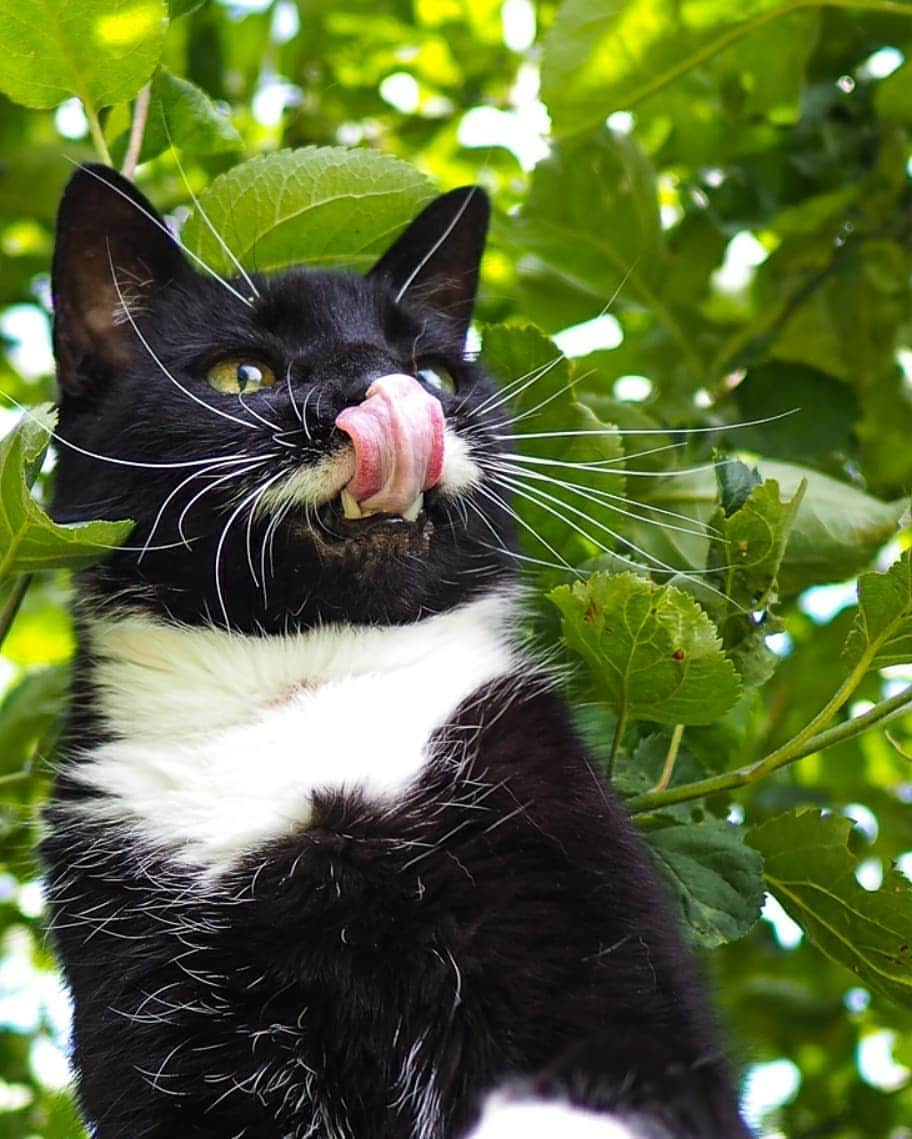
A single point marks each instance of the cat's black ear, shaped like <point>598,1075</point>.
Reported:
<point>112,252</point>
<point>435,261</point>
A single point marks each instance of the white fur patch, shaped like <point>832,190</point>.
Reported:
<point>222,739</point>
<point>538,1119</point>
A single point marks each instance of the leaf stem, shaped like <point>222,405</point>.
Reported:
<point>137,130</point>
<point>797,748</point>
<point>11,608</point>
<point>96,132</point>
<point>670,758</point>
<point>619,728</point>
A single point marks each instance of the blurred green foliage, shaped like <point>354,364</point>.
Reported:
<point>724,191</point>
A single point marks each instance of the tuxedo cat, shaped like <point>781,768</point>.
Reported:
<point>326,857</point>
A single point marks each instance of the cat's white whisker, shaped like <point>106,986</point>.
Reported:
<point>625,431</point>
<point>56,437</point>
<point>208,489</point>
<point>240,460</point>
<point>169,233</point>
<point>516,387</point>
<point>223,245</point>
<point>406,285</point>
<point>551,503</point>
<point>607,499</point>
<point>489,493</point>
<point>274,427</point>
<point>253,496</point>
<point>533,411</point>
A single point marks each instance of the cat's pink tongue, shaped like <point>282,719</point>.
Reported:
<point>397,434</point>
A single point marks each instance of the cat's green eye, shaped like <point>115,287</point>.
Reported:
<point>438,378</point>
<point>238,376</point>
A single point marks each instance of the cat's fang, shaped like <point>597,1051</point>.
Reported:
<point>411,515</point>
<point>350,507</point>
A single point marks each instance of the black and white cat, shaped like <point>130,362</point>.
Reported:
<point>326,857</point>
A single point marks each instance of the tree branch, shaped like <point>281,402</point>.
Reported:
<point>137,130</point>
<point>797,748</point>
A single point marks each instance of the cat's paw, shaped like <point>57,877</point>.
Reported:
<point>541,1119</point>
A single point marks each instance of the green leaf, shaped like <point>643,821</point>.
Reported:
<point>653,652</point>
<point>601,56</point>
<point>735,480</point>
<point>183,114</point>
<point>314,206</point>
<point>836,532</point>
<point>593,216</point>
<point>29,540</point>
<point>818,413</point>
<point>714,876</point>
<point>882,634</point>
<point>101,50</point>
<point>810,869</point>
<point>28,713</point>
<point>749,542</point>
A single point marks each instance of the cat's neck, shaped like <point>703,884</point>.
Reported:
<point>157,681</point>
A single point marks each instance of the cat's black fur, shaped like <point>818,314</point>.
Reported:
<point>377,974</point>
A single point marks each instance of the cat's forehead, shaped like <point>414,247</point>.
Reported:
<point>313,304</point>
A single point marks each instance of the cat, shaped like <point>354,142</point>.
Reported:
<point>325,855</point>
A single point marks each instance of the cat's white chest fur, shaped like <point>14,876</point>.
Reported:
<point>222,739</point>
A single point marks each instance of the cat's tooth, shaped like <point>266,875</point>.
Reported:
<point>414,510</point>
<point>350,507</point>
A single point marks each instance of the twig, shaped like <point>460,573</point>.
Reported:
<point>96,132</point>
<point>137,130</point>
<point>11,608</point>
<point>668,769</point>
<point>797,748</point>
<point>616,741</point>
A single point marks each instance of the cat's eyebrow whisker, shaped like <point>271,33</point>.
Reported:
<point>436,246</point>
<point>168,233</point>
<point>151,352</point>
<point>304,415</point>
<point>202,213</point>
<point>291,399</point>
<point>242,505</point>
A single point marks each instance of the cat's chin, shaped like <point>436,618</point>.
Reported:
<point>374,535</point>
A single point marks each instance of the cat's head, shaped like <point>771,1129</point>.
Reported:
<point>302,448</point>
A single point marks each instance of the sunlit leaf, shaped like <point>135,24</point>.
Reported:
<point>318,205</point>
<point>29,540</point>
<point>811,870</point>
<point>101,50</point>
<point>883,625</point>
